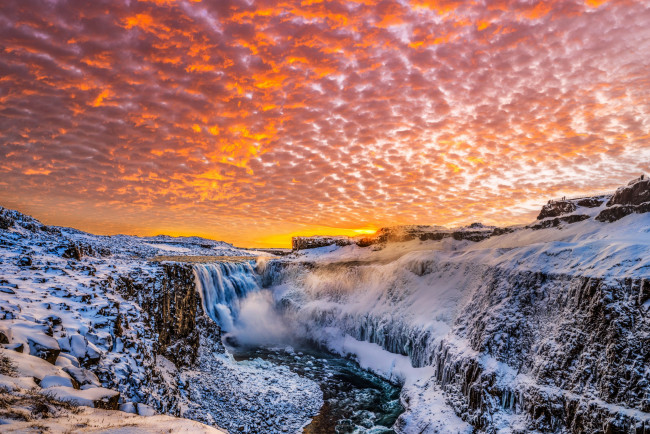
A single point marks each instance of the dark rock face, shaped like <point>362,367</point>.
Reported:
<point>552,223</point>
<point>177,313</point>
<point>108,403</point>
<point>556,208</point>
<point>617,212</point>
<point>173,305</point>
<point>590,202</point>
<point>635,193</point>
<point>475,236</point>
<point>176,323</point>
<point>302,243</point>
<point>631,199</point>
<point>589,341</point>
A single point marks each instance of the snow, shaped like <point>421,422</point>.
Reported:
<point>169,248</point>
<point>372,357</point>
<point>55,380</point>
<point>427,411</point>
<point>30,366</point>
<point>72,305</point>
<point>92,420</point>
<point>85,397</point>
<point>16,383</point>
<point>26,332</point>
<point>408,298</point>
<point>391,308</point>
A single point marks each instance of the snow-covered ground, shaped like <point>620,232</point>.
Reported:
<point>427,302</point>
<point>541,327</point>
<point>70,333</point>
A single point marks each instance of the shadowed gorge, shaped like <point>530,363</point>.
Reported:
<point>414,329</point>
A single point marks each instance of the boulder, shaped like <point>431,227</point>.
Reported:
<point>57,380</point>
<point>47,349</point>
<point>10,383</point>
<point>72,251</point>
<point>556,208</point>
<point>31,366</point>
<point>635,193</point>
<point>86,352</point>
<point>82,376</point>
<point>65,360</point>
<point>78,346</point>
<point>145,410</point>
<point>25,261</point>
<point>20,348</point>
<point>93,354</point>
<point>97,397</point>
<point>129,407</point>
<point>32,335</point>
<point>100,338</point>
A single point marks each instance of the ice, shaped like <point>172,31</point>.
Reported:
<point>472,329</point>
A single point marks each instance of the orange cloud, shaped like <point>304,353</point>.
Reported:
<point>252,122</point>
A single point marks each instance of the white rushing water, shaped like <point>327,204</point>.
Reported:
<point>223,287</point>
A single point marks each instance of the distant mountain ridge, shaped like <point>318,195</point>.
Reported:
<point>629,199</point>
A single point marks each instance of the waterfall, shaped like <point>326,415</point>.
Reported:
<point>222,286</point>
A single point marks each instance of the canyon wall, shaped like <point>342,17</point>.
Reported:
<point>565,352</point>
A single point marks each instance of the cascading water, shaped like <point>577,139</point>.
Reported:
<point>257,329</point>
<point>223,286</point>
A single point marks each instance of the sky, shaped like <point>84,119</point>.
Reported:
<point>252,121</point>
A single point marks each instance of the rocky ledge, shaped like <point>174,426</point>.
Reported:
<point>630,199</point>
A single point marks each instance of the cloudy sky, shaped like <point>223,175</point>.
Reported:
<point>249,121</point>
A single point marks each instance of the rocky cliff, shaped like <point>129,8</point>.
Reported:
<point>545,328</point>
<point>107,327</point>
<point>630,199</point>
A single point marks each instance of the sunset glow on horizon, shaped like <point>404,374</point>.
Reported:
<point>254,121</point>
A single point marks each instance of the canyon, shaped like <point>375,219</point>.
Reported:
<point>541,327</point>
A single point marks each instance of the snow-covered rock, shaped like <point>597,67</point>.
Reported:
<point>32,366</point>
<point>540,327</point>
<point>55,381</point>
<point>543,328</point>
<point>96,397</point>
<point>630,199</point>
<point>107,421</point>
<point>33,336</point>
